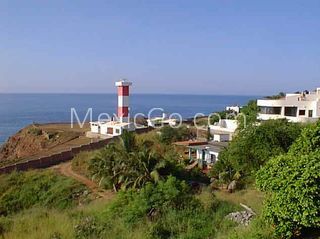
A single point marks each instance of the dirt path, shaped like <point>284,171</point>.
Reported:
<point>66,170</point>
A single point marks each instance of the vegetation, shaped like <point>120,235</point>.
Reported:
<point>222,115</point>
<point>169,134</point>
<point>131,163</point>
<point>19,191</point>
<point>204,217</point>
<point>156,196</point>
<point>248,114</point>
<point>293,185</point>
<point>276,97</point>
<point>127,164</point>
<point>253,147</point>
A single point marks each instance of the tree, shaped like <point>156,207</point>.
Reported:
<point>309,141</point>
<point>253,147</point>
<point>276,97</point>
<point>248,114</point>
<point>127,164</point>
<point>292,183</point>
<point>128,141</point>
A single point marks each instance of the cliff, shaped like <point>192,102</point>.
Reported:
<point>40,139</point>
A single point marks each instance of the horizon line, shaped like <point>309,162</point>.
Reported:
<point>113,93</point>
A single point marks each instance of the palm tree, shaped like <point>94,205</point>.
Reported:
<point>126,164</point>
<point>128,141</point>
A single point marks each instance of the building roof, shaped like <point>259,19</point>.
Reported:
<point>111,123</point>
<point>190,143</point>
<point>211,146</point>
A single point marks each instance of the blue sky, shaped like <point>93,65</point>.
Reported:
<point>200,47</point>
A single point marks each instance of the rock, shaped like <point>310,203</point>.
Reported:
<point>242,217</point>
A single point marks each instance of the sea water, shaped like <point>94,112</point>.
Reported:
<point>19,110</point>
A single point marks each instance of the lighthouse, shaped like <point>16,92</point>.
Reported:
<point>115,127</point>
<point>123,87</point>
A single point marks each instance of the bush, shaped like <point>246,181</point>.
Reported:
<point>158,198</point>
<point>35,131</point>
<point>167,209</point>
<point>253,147</point>
<point>169,134</point>
<point>293,184</point>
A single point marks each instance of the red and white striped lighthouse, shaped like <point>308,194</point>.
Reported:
<point>123,100</point>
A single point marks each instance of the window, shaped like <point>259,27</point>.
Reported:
<point>310,113</point>
<point>117,131</point>
<point>302,112</point>
<point>270,110</point>
<point>109,130</point>
<point>290,111</point>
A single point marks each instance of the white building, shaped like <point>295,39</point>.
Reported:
<point>110,128</point>
<point>207,154</point>
<point>115,127</point>
<point>297,107</point>
<point>235,109</point>
<point>224,130</point>
<point>161,121</point>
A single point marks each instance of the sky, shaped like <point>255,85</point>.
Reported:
<point>225,47</point>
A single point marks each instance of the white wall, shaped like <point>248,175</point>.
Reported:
<point>310,102</point>
<point>221,137</point>
<point>208,155</point>
<point>94,128</point>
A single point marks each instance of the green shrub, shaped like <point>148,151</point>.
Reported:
<point>248,114</point>
<point>253,147</point>
<point>35,131</point>
<point>293,184</point>
<point>169,134</point>
<point>170,194</point>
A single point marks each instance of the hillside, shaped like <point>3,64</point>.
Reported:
<point>38,140</point>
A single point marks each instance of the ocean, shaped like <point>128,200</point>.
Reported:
<point>19,110</point>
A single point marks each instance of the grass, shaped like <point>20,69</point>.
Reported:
<point>40,223</point>
<point>249,197</point>
<point>258,228</point>
<point>23,190</point>
<point>80,162</point>
<point>42,194</point>
<point>44,223</point>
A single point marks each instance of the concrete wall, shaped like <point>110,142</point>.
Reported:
<point>64,156</point>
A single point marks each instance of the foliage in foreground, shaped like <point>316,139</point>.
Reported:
<point>293,184</point>
<point>253,147</point>
<point>22,190</point>
<point>167,209</point>
<point>131,163</point>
